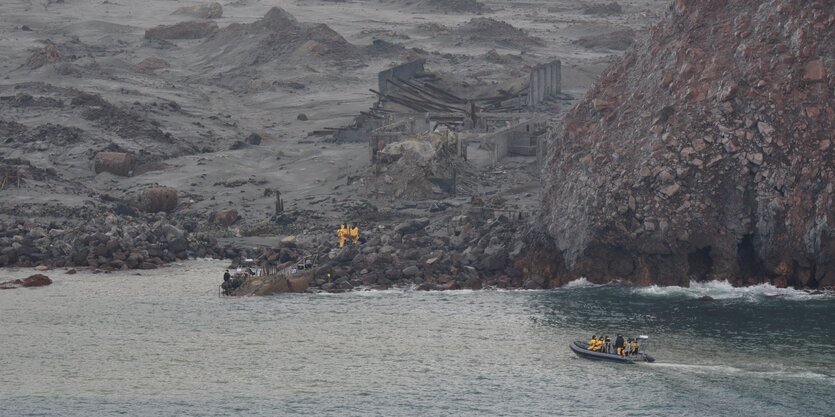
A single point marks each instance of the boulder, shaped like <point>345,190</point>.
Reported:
<point>411,271</point>
<point>152,64</point>
<point>411,226</point>
<point>254,139</point>
<point>194,29</point>
<point>224,218</point>
<point>156,199</point>
<point>212,10</point>
<point>116,163</point>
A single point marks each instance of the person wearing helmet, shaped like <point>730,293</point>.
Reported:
<point>619,345</point>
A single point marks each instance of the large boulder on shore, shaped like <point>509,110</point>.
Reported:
<point>37,280</point>
<point>705,153</point>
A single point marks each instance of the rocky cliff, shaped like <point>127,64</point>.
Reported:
<point>705,153</point>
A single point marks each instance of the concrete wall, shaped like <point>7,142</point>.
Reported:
<point>405,71</point>
<point>545,82</point>
<point>518,139</point>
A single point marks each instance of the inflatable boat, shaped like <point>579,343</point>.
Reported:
<point>580,348</point>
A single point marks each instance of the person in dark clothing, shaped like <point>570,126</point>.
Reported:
<point>619,345</point>
<point>227,283</point>
<point>608,345</point>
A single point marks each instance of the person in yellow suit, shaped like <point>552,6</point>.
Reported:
<point>342,234</point>
<point>598,345</point>
<point>592,342</point>
<point>355,235</point>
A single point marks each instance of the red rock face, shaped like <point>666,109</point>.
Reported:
<point>705,153</point>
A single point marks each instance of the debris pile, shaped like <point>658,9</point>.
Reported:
<point>705,153</point>
<point>425,166</point>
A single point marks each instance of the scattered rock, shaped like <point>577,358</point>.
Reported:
<point>46,55</point>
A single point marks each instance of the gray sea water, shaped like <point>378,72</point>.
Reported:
<point>163,343</point>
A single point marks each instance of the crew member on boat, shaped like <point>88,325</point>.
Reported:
<point>619,345</point>
<point>592,342</point>
<point>598,344</point>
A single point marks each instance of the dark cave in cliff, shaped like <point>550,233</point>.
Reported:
<point>700,264</point>
<point>750,264</point>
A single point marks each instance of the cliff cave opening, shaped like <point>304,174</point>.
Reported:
<point>750,264</point>
<point>700,263</point>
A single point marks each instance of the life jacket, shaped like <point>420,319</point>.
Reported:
<point>592,343</point>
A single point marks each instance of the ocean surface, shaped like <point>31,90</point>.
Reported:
<point>164,343</point>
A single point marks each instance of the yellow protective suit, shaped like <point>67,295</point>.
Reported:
<point>342,234</point>
<point>355,235</point>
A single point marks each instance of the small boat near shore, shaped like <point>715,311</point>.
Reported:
<point>580,348</point>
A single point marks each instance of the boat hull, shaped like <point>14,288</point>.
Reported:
<point>579,348</point>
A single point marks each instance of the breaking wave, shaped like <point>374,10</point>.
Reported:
<point>723,290</point>
<point>580,283</point>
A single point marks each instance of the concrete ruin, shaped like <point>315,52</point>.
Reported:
<point>504,124</point>
<point>545,83</point>
<point>405,71</point>
<point>522,138</point>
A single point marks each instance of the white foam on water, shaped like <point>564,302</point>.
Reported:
<point>581,282</point>
<point>723,290</point>
<point>726,370</point>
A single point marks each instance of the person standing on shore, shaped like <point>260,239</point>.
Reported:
<point>227,278</point>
